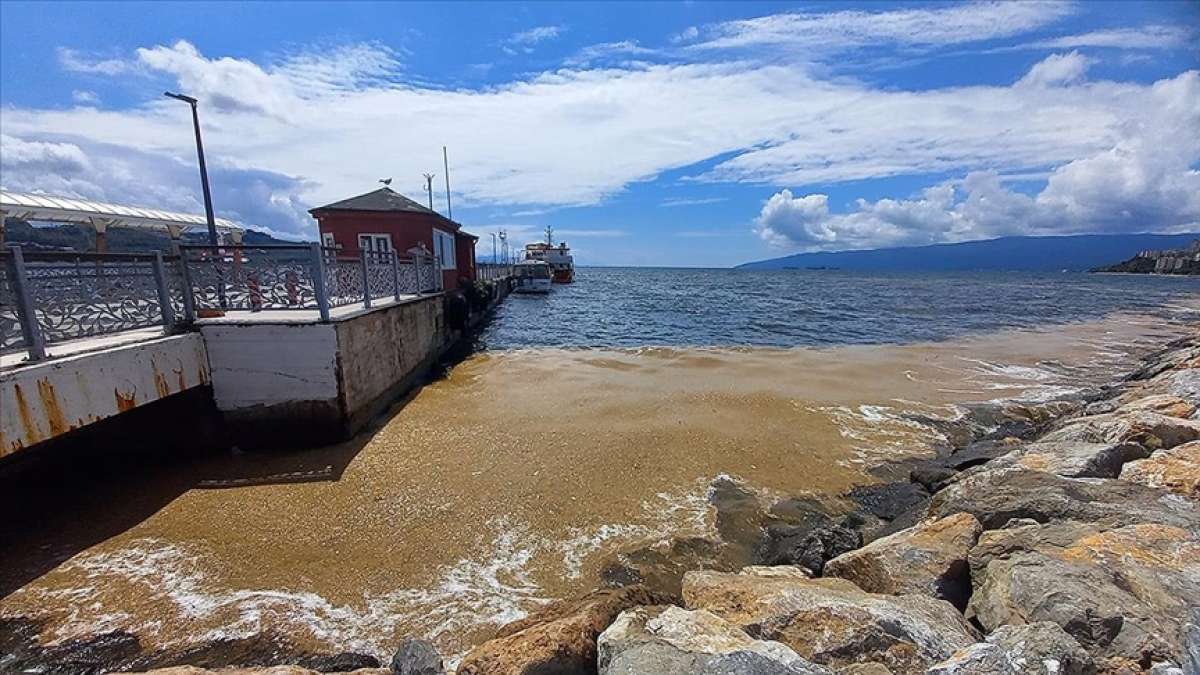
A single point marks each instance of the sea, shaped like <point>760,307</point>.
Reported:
<point>589,422</point>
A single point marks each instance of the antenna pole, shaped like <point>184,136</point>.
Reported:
<point>429,188</point>
<point>446,164</point>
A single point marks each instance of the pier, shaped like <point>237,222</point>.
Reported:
<point>293,344</point>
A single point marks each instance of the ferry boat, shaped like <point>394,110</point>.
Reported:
<point>562,263</point>
<point>532,276</point>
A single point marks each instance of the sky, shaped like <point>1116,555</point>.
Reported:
<point>692,133</point>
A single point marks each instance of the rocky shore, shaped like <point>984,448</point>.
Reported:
<point>1055,537</point>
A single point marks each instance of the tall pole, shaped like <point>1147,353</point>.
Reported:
<point>446,165</point>
<point>429,188</point>
<point>494,260</point>
<point>208,207</point>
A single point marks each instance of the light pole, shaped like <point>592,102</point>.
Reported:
<point>208,208</point>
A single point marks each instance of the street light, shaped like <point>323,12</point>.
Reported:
<point>208,209</point>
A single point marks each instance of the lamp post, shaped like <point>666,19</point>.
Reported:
<point>208,208</point>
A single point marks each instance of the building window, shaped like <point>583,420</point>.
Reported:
<point>443,249</point>
<point>327,240</point>
<point>379,243</point>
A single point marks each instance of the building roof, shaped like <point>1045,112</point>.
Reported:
<point>386,200</point>
<point>50,208</point>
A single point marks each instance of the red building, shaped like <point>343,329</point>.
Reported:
<point>385,220</point>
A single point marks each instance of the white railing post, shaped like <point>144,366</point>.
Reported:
<point>318,276</point>
<point>164,295</point>
<point>35,344</point>
<point>396,274</point>
<point>366,276</point>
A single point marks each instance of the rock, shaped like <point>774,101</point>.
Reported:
<point>255,670</point>
<point>1166,669</point>
<point>1191,642</point>
<point>674,641</point>
<point>341,662</point>
<point>1176,469</point>
<point>865,669</point>
<point>660,566</point>
<point>1073,459</point>
<point>1184,383</point>
<point>560,638</point>
<point>980,452</point>
<point>1150,429</point>
<point>1043,648</point>
<point>417,657</point>
<point>831,621</point>
<point>996,496</point>
<point>929,558</point>
<point>807,547</point>
<point>1163,404</point>
<point>740,519</point>
<point>1121,593</point>
<point>931,477</point>
<point>889,500</point>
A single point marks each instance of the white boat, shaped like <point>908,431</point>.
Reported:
<point>562,263</point>
<point>533,276</point>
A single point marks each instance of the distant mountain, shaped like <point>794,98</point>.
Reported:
<point>127,239</point>
<point>1076,253</point>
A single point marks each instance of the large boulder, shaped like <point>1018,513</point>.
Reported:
<point>1121,593</point>
<point>1163,404</point>
<point>1041,648</point>
<point>674,641</point>
<point>832,621</point>
<point>560,638</point>
<point>254,670</point>
<point>1150,429</point>
<point>1073,459</point>
<point>1176,469</point>
<point>417,657</point>
<point>929,558</point>
<point>806,546</point>
<point>996,496</point>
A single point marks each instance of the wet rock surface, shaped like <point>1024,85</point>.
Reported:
<point>832,621</point>
<point>929,558</point>
<point>417,657</point>
<point>674,641</point>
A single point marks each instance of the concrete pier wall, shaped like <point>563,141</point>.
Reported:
<point>287,384</point>
<point>45,400</point>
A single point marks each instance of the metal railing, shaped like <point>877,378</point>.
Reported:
<point>300,276</point>
<point>492,271</point>
<point>51,297</point>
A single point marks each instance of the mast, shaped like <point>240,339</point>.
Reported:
<point>549,236</point>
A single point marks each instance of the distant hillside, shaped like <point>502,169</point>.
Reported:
<point>1076,253</point>
<point>76,238</point>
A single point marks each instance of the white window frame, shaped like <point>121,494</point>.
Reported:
<point>327,240</point>
<point>373,241</point>
<point>444,249</point>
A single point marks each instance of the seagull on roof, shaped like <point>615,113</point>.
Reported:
<point>385,181</point>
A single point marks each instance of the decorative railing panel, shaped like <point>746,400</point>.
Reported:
<point>251,278</point>
<point>11,337</point>
<point>75,295</point>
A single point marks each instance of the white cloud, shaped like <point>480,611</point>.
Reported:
<point>536,34</point>
<point>682,201</point>
<point>1152,36</point>
<point>85,97</point>
<point>326,125</point>
<point>1145,181</point>
<point>73,61</point>
<point>921,27</point>
<point>1057,70</point>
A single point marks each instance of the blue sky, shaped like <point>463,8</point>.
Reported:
<point>673,133</point>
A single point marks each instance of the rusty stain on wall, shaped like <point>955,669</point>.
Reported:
<point>54,414</point>
<point>29,427</point>
<point>160,382</point>
<point>125,401</point>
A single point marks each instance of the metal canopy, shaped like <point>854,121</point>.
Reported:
<point>49,208</point>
